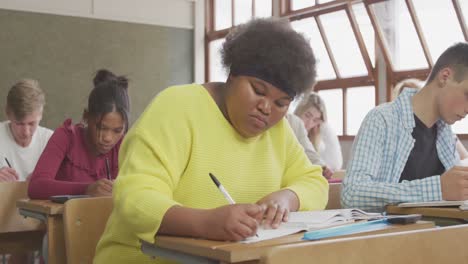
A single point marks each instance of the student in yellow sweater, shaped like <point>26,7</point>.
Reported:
<point>235,130</point>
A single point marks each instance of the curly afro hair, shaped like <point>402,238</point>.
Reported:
<point>271,50</point>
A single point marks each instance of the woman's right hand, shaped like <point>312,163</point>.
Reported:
<point>102,187</point>
<point>232,222</point>
<point>8,174</point>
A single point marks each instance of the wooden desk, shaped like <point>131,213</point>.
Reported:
<point>442,212</point>
<point>190,250</point>
<point>429,246</point>
<point>51,214</point>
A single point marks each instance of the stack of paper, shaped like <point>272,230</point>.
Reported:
<point>312,220</point>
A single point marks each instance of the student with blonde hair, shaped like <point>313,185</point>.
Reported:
<point>300,132</point>
<point>22,140</point>
<point>311,109</point>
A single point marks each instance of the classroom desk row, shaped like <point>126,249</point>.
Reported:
<point>185,249</point>
<point>189,250</point>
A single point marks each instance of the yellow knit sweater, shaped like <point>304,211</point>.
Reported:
<point>166,157</point>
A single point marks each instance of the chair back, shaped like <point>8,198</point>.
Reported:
<point>11,220</point>
<point>334,196</point>
<point>18,234</point>
<point>84,221</point>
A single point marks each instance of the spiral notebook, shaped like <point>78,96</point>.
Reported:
<point>312,220</point>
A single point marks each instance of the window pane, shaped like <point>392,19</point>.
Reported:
<point>309,28</point>
<point>217,73</point>
<point>223,14</point>
<point>367,31</point>
<point>400,35</point>
<point>460,127</point>
<point>263,8</point>
<point>334,105</point>
<point>439,36</point>
<point>242,11</point>
<point>343,44</point>
<point>360,100</point>
<point>299,4</point>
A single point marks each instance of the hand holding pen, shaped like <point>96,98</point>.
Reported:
<point>103,186</point>
<point>7,173</point>
<point>240,221</point>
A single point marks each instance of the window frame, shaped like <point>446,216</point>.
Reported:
<point>392,76</point>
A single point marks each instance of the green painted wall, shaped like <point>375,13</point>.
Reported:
<point>63,53</point>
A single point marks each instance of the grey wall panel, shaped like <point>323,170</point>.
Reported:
<point>63,53</point>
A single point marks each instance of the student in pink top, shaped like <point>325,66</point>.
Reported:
<point>82,158</point>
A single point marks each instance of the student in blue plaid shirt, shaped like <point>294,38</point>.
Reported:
<point>405,150</point>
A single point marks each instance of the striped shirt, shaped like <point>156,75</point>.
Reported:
<point>380,152</point>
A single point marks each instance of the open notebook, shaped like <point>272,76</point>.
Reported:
<point>463,205</point>
<point>312,220</point>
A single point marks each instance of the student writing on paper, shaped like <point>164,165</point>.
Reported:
<point>235,130</point>
<point>74,160</point>
<point>405,150</point>
<point>22,140</point>
<point>311,109</point>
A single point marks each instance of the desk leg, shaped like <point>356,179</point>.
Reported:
<point>56,240</point>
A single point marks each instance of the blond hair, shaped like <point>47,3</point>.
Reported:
<point>406,83</point>
<point>24,98</point>
<point>308,101</point>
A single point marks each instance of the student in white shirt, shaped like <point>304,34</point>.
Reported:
<point>301,134</point>
<point>22,140</point>
<point>311,109</point>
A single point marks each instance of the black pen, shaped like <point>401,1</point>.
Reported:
<point>108,170</point>
<point>9,165</point>
<point>223,191</point>
<point>221,188</point>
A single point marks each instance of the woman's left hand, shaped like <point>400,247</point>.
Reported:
<point>277,206</point>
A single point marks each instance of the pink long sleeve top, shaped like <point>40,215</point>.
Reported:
<point>67,165</point>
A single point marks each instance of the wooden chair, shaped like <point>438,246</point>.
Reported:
<point>84,222</point>
<point>334,196</point>
<point>442,245</point>
<point>17,233</point>
<point>339,174</point>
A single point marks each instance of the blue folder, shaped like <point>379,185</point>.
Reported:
<point>346,229</point>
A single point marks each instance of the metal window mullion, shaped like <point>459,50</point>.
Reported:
<point>461,19</point>
<point>360,40</point>
<point>379,37</point>
<point>417,27</point>
<point>327,46</point>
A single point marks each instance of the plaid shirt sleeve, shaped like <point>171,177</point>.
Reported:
<point>369,183</point>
